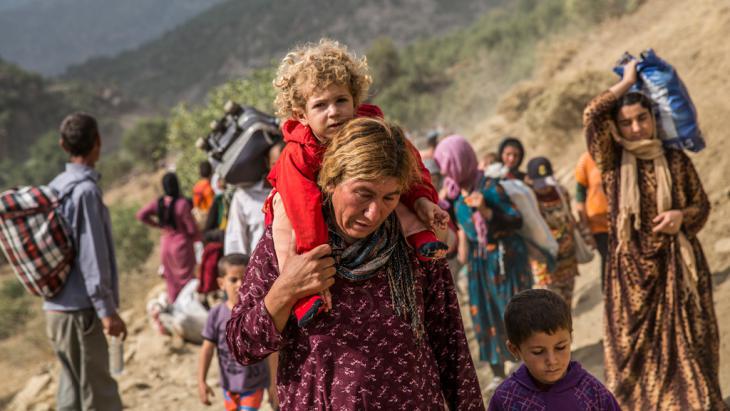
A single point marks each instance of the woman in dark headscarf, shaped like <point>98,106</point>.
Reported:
<point>511,153</point>
<point>172,213</point>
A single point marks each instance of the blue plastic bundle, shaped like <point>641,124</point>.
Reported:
<point>677,124</point>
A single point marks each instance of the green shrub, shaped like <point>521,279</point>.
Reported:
<point>132,242</point>
<point>146,143</point>
<point>14,306</point>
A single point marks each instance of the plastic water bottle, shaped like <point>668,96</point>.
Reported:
<point>116,356</point>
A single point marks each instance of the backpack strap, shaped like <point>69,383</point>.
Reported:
<point>69,190</point>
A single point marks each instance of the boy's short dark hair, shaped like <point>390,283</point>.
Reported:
<point>234,260</point>
<point>205,169</point>
<point>532,311</point>
<point>79,132</point>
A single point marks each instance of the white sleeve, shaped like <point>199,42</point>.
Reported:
<point>236,240</point>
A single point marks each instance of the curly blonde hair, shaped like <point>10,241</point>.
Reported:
<point>368,149</point>
<point>314,67</point>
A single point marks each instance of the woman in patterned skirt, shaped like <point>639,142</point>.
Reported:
<point>661,336</point>
<point>554,202</point>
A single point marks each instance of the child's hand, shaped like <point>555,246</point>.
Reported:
<point>273,398</point>
<point>431,214</point>
<point>476,200</point>
<point>204,391</point>
<point>327,298</point>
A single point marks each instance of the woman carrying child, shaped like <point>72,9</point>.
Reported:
<point>661,337</point>
<point>497,255</point>
<point>320,88</point>
<point>394,338</point>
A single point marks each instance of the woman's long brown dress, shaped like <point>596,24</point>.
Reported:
<point>661,344</point>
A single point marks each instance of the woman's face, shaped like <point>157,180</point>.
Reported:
<point>360,207</point>
<point>511,156</point>
<point>635,122</point>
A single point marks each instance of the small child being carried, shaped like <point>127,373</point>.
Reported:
<point>539,332</point>
<point>320,88</point>
<point>243,386</point>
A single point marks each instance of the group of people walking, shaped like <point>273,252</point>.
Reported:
<point>343,274</point>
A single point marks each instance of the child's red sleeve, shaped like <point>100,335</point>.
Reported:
<point>423,188</point>
<point>301,196</point>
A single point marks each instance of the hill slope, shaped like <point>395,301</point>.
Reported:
<point>231,38</point>
<point>32,107</point>
<point>44,36</point>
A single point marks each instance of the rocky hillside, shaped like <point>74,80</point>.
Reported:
<point>545,110</point>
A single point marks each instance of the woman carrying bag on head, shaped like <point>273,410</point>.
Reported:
<point>661,336</point>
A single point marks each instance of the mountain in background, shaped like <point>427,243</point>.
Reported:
<point>47,36</point>
<point>31,109</point>
<point>231,38</point>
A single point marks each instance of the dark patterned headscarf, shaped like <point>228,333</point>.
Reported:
<point>385,248</point>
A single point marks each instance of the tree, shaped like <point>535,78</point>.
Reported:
<point>46,159</point>
<point>146,143</point>
<point>384,62</point>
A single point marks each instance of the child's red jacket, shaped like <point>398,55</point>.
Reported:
<point>294,177</point>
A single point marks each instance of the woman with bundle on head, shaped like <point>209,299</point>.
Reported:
<point>172,213</point>
<point>497,260</point>
<point>661,337</point>
<point>393,338</point>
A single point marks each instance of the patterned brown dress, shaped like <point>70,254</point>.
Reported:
<point>661,347</point>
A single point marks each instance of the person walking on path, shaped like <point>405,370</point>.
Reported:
<point>87,306</point>
<point>661,336</point>
<point>498,265</point>
<point>554,202</point>
<point>203,193</point>
<point>245,218</point>
<point>172,214</point>
<point>592,206</point>
<point>394,338</point>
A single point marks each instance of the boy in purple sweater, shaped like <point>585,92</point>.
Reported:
<point>539,328</point>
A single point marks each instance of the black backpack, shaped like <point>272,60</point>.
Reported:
<point>239,142</point>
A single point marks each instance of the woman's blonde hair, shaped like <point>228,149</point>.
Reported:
<point>315,67</point>
<point>369,149</point>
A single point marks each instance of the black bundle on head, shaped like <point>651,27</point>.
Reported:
<point>166,212</point>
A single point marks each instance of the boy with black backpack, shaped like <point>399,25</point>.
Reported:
<point>87,306</point>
